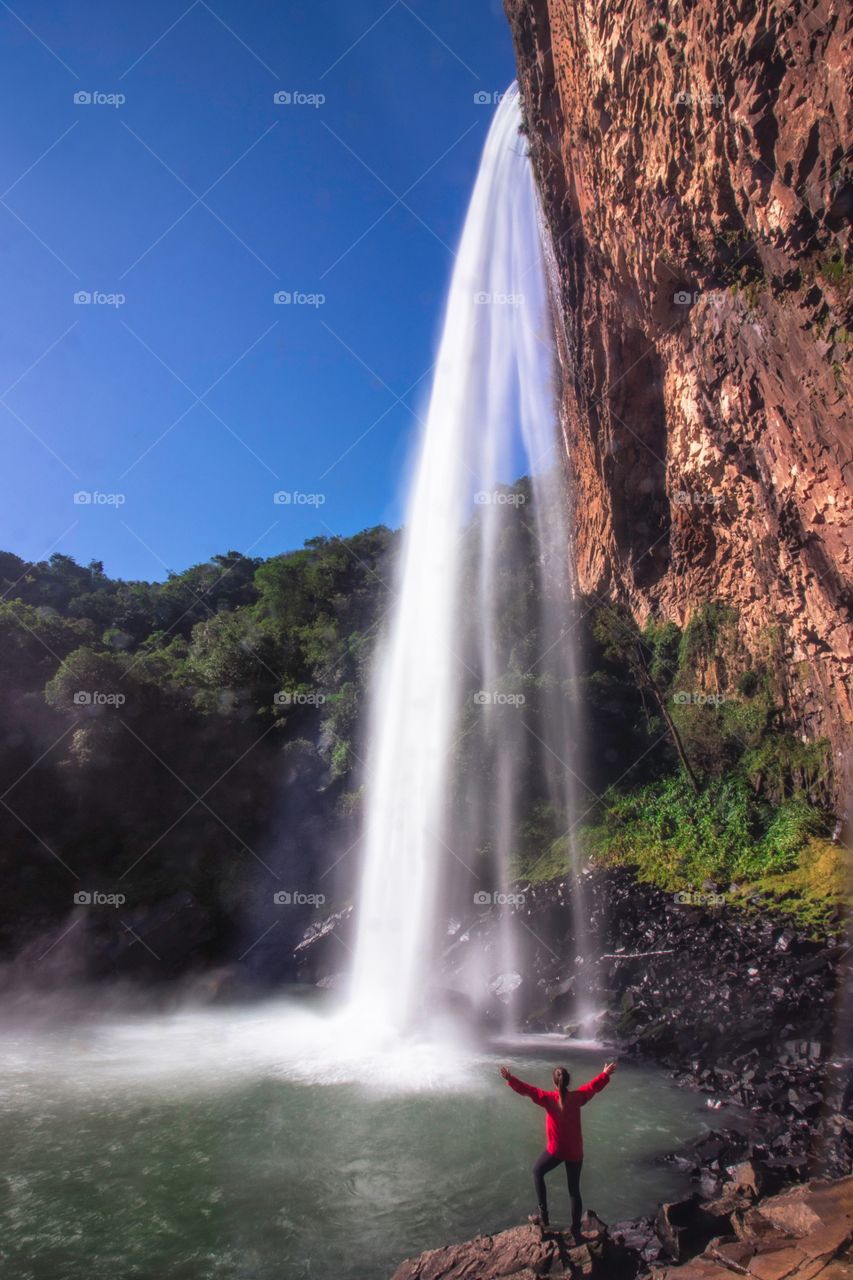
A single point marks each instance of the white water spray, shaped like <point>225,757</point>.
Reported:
<point>493,384</point>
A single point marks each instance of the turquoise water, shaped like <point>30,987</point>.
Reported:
<point>208,1145</point>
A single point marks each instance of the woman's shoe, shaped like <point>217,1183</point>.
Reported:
<point>539,1220</point>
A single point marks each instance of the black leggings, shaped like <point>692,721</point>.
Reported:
<point>545,1164</point>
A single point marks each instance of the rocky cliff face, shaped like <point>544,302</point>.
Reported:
<point>695,165</point>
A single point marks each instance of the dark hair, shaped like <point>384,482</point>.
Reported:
<point>561,1080</point>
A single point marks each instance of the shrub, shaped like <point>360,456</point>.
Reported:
<point>676,837</point>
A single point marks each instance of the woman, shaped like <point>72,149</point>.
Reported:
<point>563,1135</point>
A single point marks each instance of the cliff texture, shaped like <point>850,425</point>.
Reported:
<point>694,160</point>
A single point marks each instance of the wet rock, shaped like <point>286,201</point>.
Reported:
<point>755,1176</point>
<point>686,1226</point>
<point>318,955</point>
<point>637,1236</point>
<point>592,1226</point>
<point>518,1254</point>
<point>504,985</point>
<point>804,1234</point>
<point>733,1200</point>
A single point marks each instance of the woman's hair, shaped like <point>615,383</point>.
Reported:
<point>561,1080</point>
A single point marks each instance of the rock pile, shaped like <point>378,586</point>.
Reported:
<point>802,1234</point>
<point>743,1007</point>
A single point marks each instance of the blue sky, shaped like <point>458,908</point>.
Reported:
<point>185,397</point>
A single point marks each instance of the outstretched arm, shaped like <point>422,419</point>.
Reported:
<point>594,1086</point>
<point>526,1090</point>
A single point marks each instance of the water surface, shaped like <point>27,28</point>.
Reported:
<point>258,1144</point>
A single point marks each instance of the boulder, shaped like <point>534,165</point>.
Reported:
<point>318,955</point>
<point>686,1226</point>
<point>521,1253</point>
<point>733,1254</point>
<point>749,1175</point>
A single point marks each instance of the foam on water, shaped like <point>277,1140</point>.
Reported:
<point>197,1049</point>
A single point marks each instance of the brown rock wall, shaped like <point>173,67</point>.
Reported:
<point>695,165</point>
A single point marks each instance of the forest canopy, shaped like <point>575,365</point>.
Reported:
<point>198,744</point>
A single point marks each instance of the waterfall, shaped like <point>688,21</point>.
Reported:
<point>492,397</point>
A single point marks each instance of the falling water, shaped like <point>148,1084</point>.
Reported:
<point>492,393</point>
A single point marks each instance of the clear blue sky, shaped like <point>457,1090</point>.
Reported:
<point>199,198</point>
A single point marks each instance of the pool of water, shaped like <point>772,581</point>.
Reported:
<point>269,1143</point>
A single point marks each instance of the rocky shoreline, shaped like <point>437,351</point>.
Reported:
<point>801,1234</point>
<point>742,1005</point>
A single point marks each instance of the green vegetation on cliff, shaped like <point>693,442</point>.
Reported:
<point>707,784</point>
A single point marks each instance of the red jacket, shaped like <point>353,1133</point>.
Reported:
<point>562,1124</point>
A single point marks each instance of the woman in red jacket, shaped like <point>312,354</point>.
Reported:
<point>563,1134</point>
